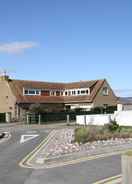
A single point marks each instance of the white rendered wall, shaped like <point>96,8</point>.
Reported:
<point>123,118</point>
<point>98,119</point>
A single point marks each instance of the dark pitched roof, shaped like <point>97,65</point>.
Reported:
<point>125,100</point>
<point>18,85</point>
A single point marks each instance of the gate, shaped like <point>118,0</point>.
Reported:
<point>2,117</point>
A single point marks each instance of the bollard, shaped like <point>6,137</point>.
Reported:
<point>68,119</point>
<point>127,167</point>
<point>27,119</point>
<point>39,119</point>
<point>85,120</point>
<point>8,117</point>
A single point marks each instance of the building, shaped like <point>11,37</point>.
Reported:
<point>16,96</point>
<point>124,104</point>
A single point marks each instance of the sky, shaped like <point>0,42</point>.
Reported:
<point>68,40</point>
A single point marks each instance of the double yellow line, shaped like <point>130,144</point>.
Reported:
<point>111,180</point>
<point>25,162</point>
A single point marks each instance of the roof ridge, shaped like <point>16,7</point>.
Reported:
<point>35,81</point>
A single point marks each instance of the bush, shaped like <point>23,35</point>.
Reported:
<point>112,126</point>
<point>81,135</point>
<point>36,108</point>
<point>109,131</point>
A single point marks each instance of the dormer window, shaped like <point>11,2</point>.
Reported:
<point>105,91</point>
<point>25,92</point>
<point>31,92</point>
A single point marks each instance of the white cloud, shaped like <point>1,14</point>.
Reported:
<point>16,47</point>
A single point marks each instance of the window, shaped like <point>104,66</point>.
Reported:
<point>69,93</point>
<point>52,93</point>
<point>26,92</point>
<point>105,91</point>
<point>57,93</point>
<point>82,91</point>
<point>45,93</point>
<point>37,92</point>
<point>105,105</point>
<point>31,92</point>
<point>73,92</point>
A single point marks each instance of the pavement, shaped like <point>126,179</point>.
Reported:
<point>12,153</point>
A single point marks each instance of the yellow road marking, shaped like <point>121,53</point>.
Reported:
<point>76,161</point>
<point>32,154</point>
<point>113,179</point>
<point>26,162</point>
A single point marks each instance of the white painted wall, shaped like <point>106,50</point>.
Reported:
<point>98,119</point>
<point>119,107</point>
<point>127,107</point>
<point>123,118</point>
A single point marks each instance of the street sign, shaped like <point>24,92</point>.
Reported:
<point>27,137</point>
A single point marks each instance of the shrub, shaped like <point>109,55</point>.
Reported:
<point>36,108</point>
<point>109,131</point>
<point>81,135</point>
<point>112,126</point>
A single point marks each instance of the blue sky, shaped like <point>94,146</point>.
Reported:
<point>67,40</point>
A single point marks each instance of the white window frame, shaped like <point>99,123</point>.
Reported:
<point>30,89</point>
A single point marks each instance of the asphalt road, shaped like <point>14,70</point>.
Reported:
<point>12,152</point>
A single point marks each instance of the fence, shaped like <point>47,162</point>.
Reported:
<point>52,117</point>
<point>46,118</point>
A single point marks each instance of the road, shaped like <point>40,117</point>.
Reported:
<point>12,152</point>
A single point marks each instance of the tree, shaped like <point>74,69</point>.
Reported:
<point>36,108</point>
